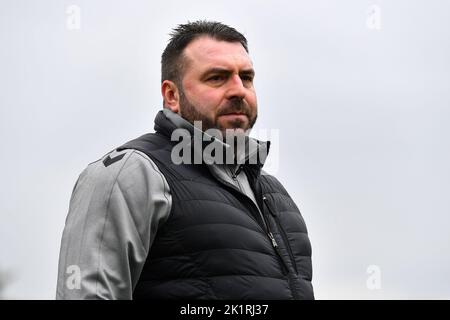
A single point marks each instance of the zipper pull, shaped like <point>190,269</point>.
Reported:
<point>272,238</point>
<point>266,201</point>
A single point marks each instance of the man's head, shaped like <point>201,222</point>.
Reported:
<point>207,76</point>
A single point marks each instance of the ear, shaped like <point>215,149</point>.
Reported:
<point>170,95</point>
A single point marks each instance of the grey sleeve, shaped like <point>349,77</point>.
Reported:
<point>114,213</point>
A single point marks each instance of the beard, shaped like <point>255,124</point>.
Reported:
<point>191,113</point>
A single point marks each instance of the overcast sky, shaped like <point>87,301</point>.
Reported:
<point>357,91</point>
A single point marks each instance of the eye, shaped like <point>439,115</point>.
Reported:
<point>216,78</point>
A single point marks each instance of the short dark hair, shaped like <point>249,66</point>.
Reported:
<point>172,60</point>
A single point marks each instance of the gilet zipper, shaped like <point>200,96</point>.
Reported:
<point>283,234</point>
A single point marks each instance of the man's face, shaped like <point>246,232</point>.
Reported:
<point>217,85</point>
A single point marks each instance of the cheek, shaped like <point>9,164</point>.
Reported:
<point>252,101</point>
<point>208,100</point>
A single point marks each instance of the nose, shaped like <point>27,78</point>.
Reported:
<point>236,88</point>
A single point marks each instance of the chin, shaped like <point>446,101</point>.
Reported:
<point>235,125</point>
<point>234,132</point>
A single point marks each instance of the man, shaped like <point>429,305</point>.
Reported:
<point>143,224</point>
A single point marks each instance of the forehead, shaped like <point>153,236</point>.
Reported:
<point>205,52</point>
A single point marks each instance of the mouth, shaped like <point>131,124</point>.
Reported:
<point>234,114</point>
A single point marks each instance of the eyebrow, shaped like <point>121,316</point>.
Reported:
<point>250,72</point>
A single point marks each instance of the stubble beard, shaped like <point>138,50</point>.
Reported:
<point>189,112</point>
